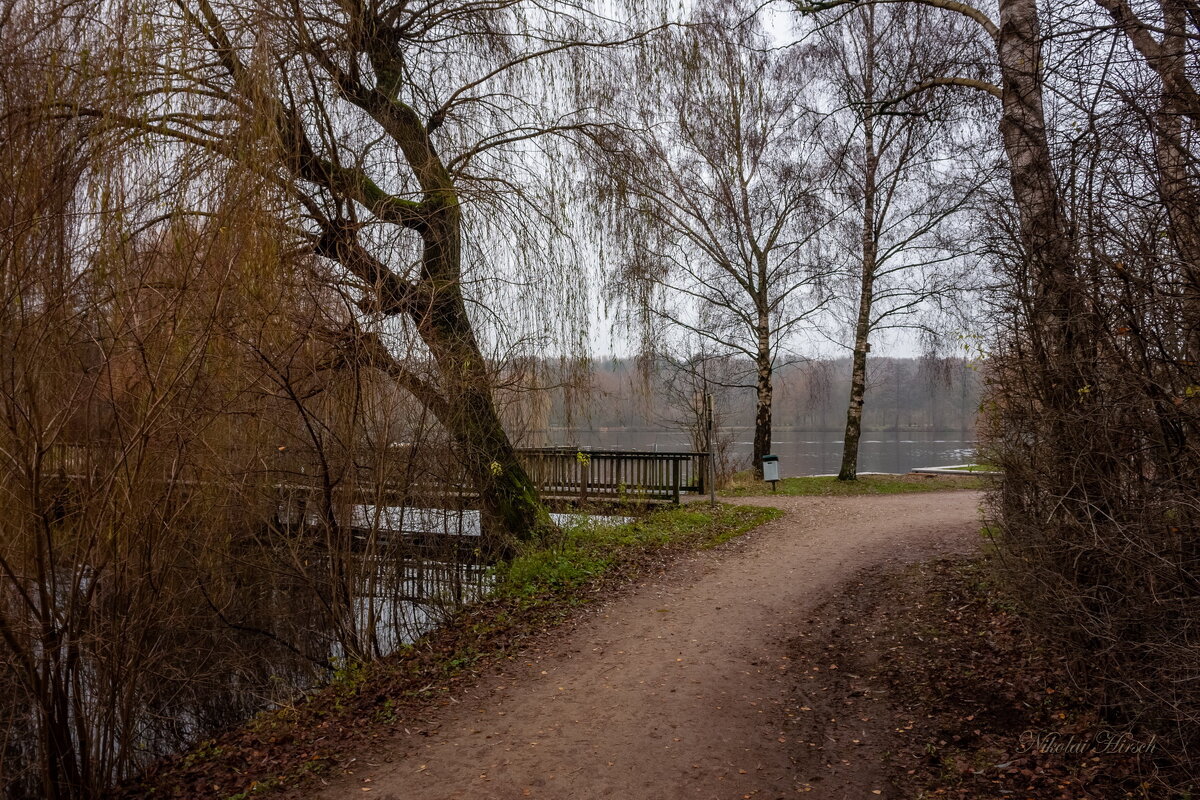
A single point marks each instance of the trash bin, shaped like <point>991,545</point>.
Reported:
<point>770,468</point>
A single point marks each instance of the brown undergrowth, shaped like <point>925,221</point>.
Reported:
<point>932,671</point>
<point>286,750</point>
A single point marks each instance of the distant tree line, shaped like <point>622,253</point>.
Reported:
<point>903,394</point>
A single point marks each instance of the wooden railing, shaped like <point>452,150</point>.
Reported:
<point>615,474</point>
<point>557,472</point>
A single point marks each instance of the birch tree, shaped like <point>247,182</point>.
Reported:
<point>715,195</point>
<point>902,179</point>
<point>1014,75</point>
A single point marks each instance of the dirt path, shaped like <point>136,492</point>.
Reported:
<point>675,689</point>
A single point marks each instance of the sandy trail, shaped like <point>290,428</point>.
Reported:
<point>672,690</point>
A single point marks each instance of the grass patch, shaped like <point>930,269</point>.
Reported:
<point>282,750</point>
<point>586,551</point>
<point>744,485</point>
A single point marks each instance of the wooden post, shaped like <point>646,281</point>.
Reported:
<point>675,479</point>
<point>711,460</point>
<point>583,478</point>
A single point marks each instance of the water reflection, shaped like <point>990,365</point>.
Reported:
<point>276,615</point>
<point>407,603</point>
<point>459,522</point>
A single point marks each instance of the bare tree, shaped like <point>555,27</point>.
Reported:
<point>695,391</point>
<point>715,197</point>
<point>903,178</point>
<point>1043,227</point>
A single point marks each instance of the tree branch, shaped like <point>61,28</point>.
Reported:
<point>968,11</point>
<point>952,80</point>
<point>1174,82</point>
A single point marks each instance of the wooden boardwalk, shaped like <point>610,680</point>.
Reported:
<point>389,495</point>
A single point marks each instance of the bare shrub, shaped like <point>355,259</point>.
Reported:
<point>1096,422</point>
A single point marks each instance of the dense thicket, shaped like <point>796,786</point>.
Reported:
<point>1094,407</point>
<point>1093,403</point>
<point>185,450</point>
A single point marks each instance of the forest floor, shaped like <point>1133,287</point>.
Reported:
<point>694,684</point>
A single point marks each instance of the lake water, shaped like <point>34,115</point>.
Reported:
<point>800,452</point>
<point>460,522</point>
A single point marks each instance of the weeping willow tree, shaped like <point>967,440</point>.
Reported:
<point>236,240</point>
<point>418,149</point>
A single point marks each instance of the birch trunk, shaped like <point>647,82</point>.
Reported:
<point>764,391</point>
<point>862,328</point>
<point>1057,317</point>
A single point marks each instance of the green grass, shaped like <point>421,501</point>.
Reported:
<point>745,486</point>
<point>586,552</point>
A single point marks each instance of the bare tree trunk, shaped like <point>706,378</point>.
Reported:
<point>510,507</point>
<point>1056,329</point>
<point>1177,189</point>
<point>762,418</point>
<point>862,329</point>
<point>858,387</point>
<point>1057,315</point>
<point>763,398</point>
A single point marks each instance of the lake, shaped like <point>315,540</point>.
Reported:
<point>800,452</point>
